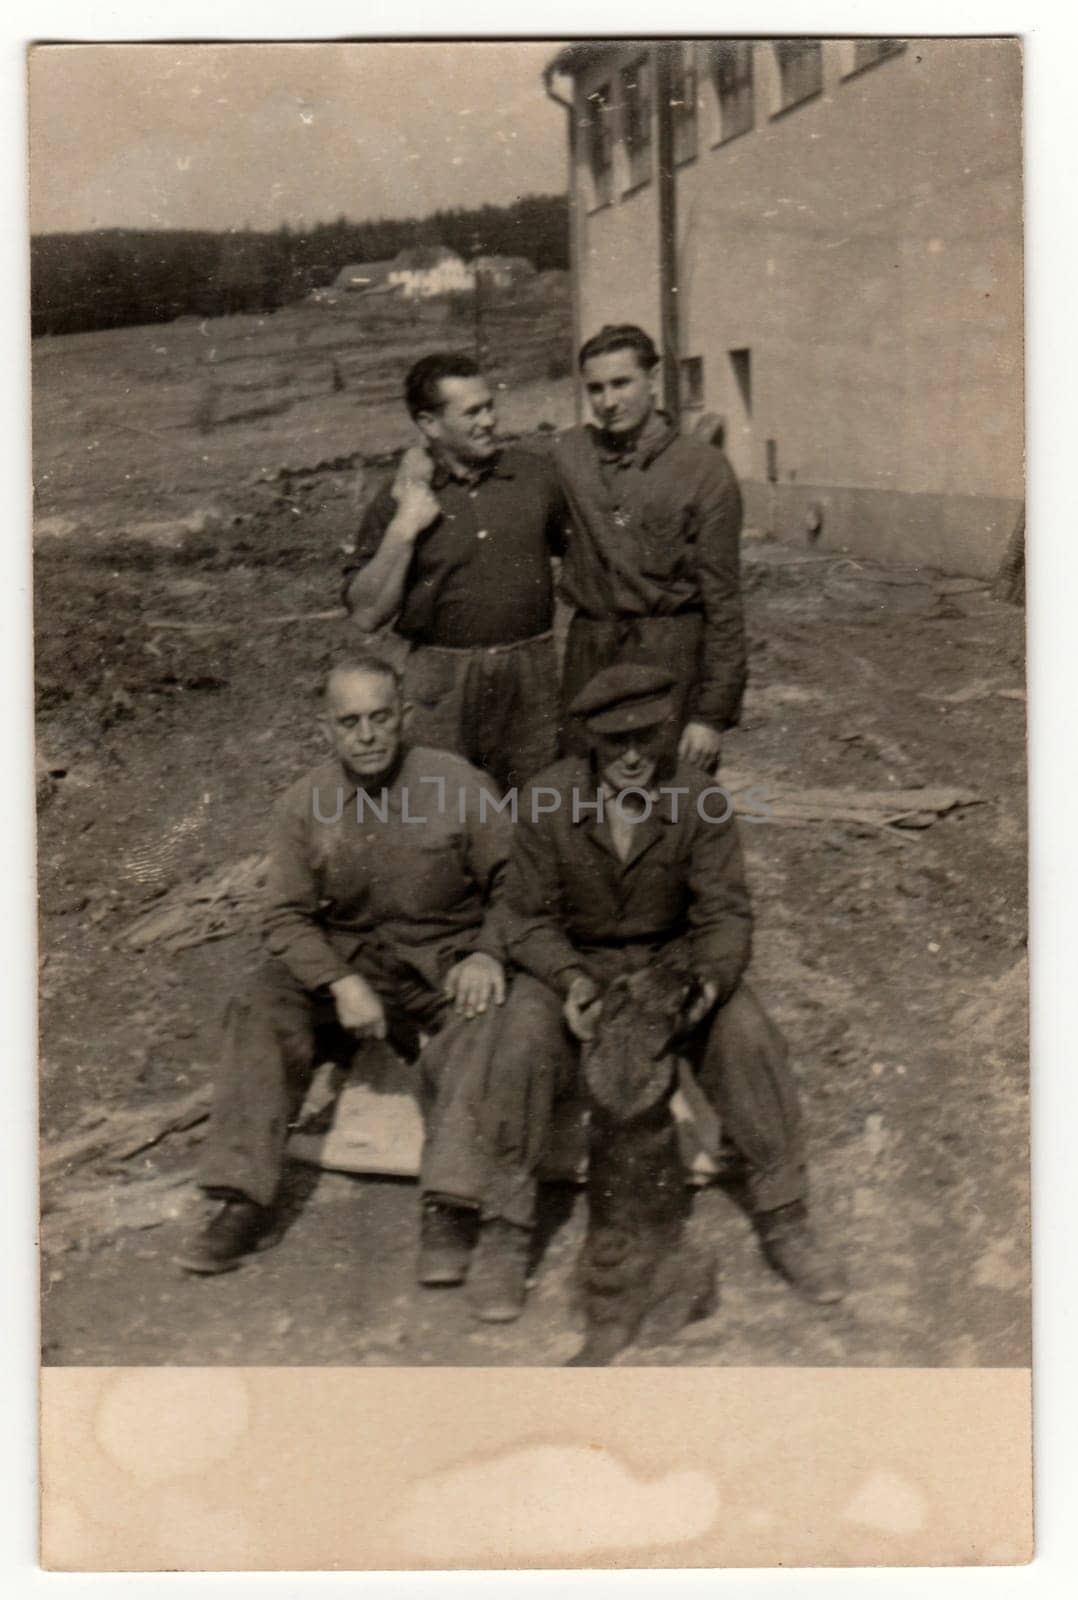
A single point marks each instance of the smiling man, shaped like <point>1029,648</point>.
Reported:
<point>456,553</point>
<point>652,568</point>
<point>379,922</point>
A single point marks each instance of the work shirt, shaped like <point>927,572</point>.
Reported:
<point>373,873</point>
<point>656,533</point>
<point>567,889</point>
<point>480,575</point>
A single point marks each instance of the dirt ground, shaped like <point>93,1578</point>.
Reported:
<point>893,958</point>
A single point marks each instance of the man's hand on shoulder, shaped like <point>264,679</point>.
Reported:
<point>359,1009</point>
<point>417,505</point>
<point>705,1000</point>
<point>474,984</point>
<point>700,746</point>
<point>582,1008</point>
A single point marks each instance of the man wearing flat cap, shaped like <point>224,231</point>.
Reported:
<point>621,859</point>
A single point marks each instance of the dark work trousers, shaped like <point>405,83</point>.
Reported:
<point>672,642</point>
<point>270,1053</point>
<point>739,1058</point>
<point>497,706</point>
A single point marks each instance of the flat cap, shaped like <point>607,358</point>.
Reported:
<point>633,694</point>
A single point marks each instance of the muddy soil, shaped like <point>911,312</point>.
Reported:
<point>893,959</point>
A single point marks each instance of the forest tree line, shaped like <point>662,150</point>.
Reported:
<point>116,277</point>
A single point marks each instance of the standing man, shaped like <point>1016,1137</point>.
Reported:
<point>652,569</point>
<point>384,867</point>
<point>457,551</point>
<point>622,859</point>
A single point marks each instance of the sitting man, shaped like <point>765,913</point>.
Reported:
<point>616,857</point>
<point>383,869</point>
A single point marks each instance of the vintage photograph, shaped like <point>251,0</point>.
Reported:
<point>530,699</point>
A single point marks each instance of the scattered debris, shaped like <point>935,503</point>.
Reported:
<point>196,913</point>
<point>56,527</point>
<point>122,1134</point>
<point>100,1210</point>
<point>888,751</point>
<point>979,689</point>
<point>156,864</point>
<point>854,584</point>
<point>336,615</point>
<point>764,800</point>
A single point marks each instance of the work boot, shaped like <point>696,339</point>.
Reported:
<point>791,1248</point>
<point>446,1236</point>
<point>497,1278</point>
<point>232,1232</point>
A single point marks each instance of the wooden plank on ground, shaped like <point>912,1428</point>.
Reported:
<point>122,1134</point>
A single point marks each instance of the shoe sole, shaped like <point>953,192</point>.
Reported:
<point>496,1313</point>
<point>211,1269</point>
<point>208,1269</point>
<point>441,1270</point>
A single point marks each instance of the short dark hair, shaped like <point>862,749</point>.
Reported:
<point>362,661</point>
<point>621,336</point>
<point>422,386</point>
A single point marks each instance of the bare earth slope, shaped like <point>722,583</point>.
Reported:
<point>172,489</point>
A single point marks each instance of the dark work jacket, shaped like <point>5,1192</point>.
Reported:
<point>656,533</point>
<point>566,890</point>
<point>414,871</point>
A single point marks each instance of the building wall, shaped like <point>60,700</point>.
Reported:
<point>864,247</point>
<point>616,277</point>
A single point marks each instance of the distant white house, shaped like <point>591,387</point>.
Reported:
<point>502,272</point>
<point>422,273</point>
<point>429,270</point>
<point>359,277</point>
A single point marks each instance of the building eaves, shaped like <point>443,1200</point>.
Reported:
<point>575,58</point>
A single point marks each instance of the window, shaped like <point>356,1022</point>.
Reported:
<point>741,361</point>
<point>600,145</point>
<point>692,382</point>
<point>636,119</point>
<point>866,52</point>
<point>800,70</point>
<point>683,103</point>
<point>731,73</point>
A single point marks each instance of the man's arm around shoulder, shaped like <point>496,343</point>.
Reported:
<point>373,593</point>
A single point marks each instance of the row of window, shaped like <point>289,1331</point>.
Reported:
<point>692,380</point>
<point>728,71</point>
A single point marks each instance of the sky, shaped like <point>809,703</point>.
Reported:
<point>218,136</point>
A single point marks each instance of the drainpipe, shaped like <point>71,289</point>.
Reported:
<point>668,266</point>
<point>575,253</point>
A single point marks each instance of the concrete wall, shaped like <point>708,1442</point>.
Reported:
<point>865,247</point>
